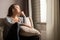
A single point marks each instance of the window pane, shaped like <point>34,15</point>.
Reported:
<point>43,10</point>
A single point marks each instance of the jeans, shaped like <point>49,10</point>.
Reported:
<point>29,38</point>
<point>13,33</point>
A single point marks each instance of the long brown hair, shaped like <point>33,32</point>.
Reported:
<point>10,12</point>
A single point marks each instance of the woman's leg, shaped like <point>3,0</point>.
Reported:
<point>34,38</point>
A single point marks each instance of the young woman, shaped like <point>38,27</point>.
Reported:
<point>13,16</point>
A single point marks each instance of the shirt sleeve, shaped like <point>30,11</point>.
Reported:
<point>20,20</point>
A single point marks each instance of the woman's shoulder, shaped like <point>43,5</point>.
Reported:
<point>8,20</point>
<point>5,21</point>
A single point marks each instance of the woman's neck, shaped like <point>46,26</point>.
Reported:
<point>14,16</point>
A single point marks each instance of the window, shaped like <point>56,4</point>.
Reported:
<point>43,8</point>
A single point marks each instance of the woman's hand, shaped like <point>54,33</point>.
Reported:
<point>23,13</point>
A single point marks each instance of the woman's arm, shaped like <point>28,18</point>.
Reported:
<point>23,14</point>
<point>26,25</point>
<point>30,30</point>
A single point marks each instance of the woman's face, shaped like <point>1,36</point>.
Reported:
<point>16,10</point>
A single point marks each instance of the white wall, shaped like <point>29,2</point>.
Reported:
<point>52,19</point>
<point>4,5</point>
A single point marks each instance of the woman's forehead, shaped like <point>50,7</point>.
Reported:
<point>17,6</point>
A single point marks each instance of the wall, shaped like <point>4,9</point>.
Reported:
<point>58,27</point>
<point>52,19</point>
<point>4,5</point>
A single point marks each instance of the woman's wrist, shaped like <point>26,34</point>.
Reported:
<point>23,13</point>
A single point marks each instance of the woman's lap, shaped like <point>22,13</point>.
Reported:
<point>29,38</point>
